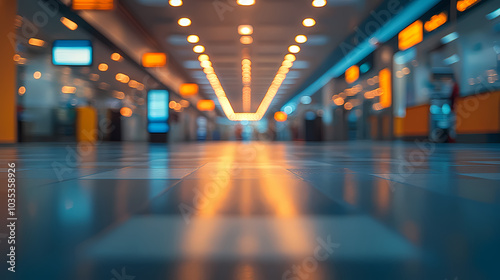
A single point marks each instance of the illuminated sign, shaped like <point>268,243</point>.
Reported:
<point>463,5</point>
<point>352,74</point>
<point>154,59</point>
<point>72,52</point>
<point>188,89</point>
<point>205,105</point>
<point>157,111</point>
<point>435,21</point>
<point>385,86</point>
<point>411,35</point>
<point>93,4</point>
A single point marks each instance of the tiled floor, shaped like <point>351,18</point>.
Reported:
<point>359,210</point>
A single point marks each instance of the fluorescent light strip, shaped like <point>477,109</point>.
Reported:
<point>209,71</point>
<point>493,14</point>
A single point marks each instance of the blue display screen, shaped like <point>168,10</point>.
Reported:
<point>72,52</point>
<point>157,111</point>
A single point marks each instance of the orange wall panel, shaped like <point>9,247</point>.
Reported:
<point>8,118</point>
<point>86,124</point>
<point>416,121</point>
<point>478,114</point>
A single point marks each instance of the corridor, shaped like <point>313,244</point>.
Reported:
<point>257,210</point>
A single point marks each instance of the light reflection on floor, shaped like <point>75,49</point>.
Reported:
<point>236,210</point>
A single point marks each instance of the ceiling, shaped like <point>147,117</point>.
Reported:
<point>275,25</point>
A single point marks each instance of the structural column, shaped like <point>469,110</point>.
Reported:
<point>8,118</point>
<point>326,95</point>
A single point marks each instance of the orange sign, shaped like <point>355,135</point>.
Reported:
<point>280,116</point>
<point>93,4</point>
<point>463,5</point>
<point>352,74</point>
<point>154,59</point>
<point>411,35</point>
<point>205,105</point>
<point>188,89</point>
<point>386,87</point>
<point>435,22</point>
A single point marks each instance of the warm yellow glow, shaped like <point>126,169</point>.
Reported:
<point>21,90</point>
<point>245,2</point>
<point>339,101</point>
<point>245,30</point>
<point>93,4</point>
<point>184,22</point>
<point>193,39</point>
<point>463,5</point>
<point>290,57</point>
<point>17,57</point>
<point>206,64</point>
<point>172,104</point>
<point>184,103</point>
<point>246,40</point>
<point>280,116</point>
<point>122,78</point>
<point>154,59</point>
<point>69,23</point>
<point>175,3</point>
<point>435,21</point>
<point>198,49</point>
<point>102,67</point>
<point>385,88</point>
<point>36,42</point>
<point>126,112</point>
<point>308,22</point>
<point>116,57</point>
<point>411,35</point>
<point>188,89</point>
<point>300,39</point>
<point>352,74</point>
<point>205,105</point>
<point>348,106</point>
<point>94,77</point>
<point>294,49</point>
<point>203,57</point>
<point>319,3</point>
<point>68,89</point>
<point>37,75</point>
<point>133,84</point>
<point>246,78</point>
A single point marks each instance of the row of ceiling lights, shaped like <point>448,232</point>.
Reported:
<point>246,78</point>
<point>315,3</point>
<point>246,31</point>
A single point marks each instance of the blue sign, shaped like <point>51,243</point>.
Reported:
<point>72,52</point>
<point>157,111</point>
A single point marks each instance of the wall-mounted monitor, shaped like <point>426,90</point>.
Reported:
<point>72,52</point>
<point>157,111</point>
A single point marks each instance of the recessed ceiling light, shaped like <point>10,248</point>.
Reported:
<point>308,22</point>
<point>245,30</point>
<point>319,3</point>
<point>245,2</point>
<point>103,67</point>
<point>294,49</point>
<point>301,39</point>
<point>193,39</point>
<point>203,57</point>
<point>199,49</point>
<point>175,3</point>
<point>184,22</point>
